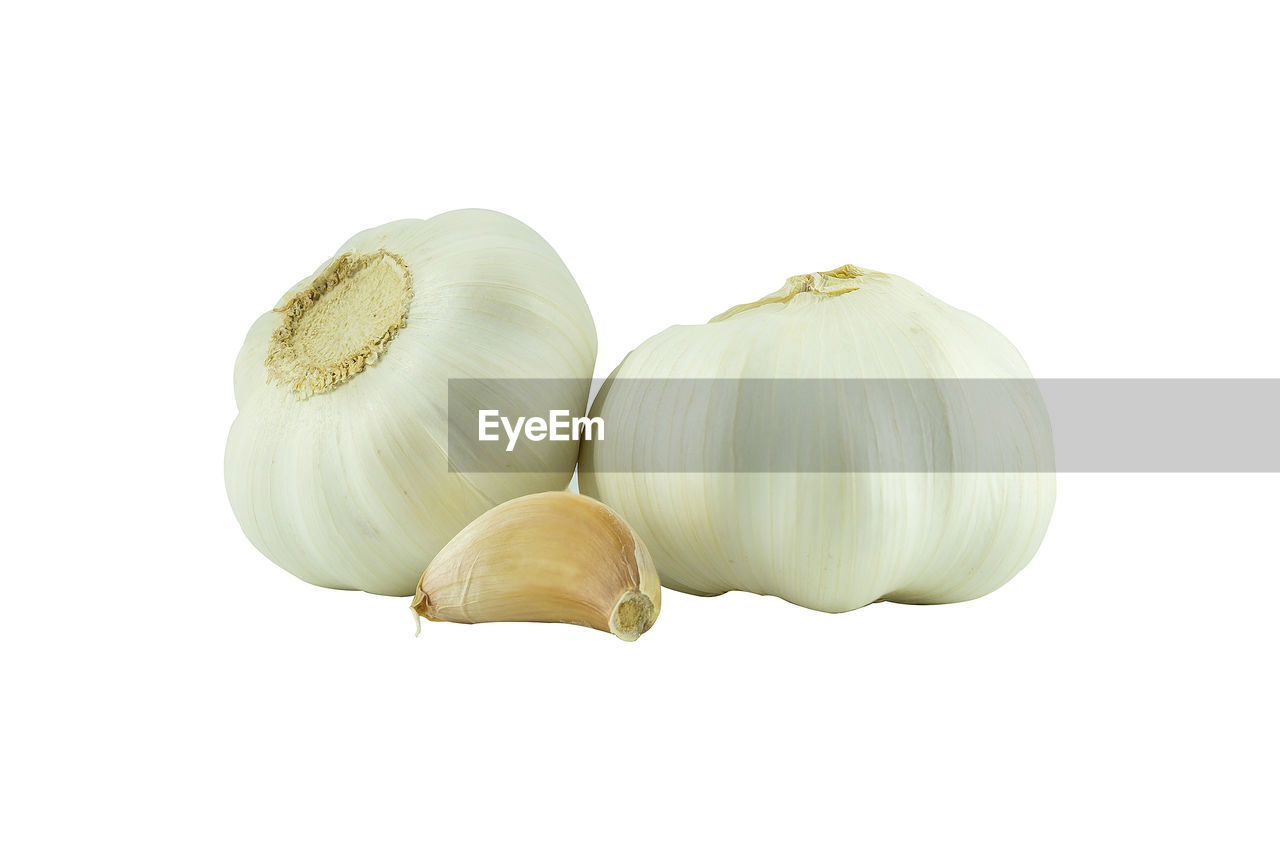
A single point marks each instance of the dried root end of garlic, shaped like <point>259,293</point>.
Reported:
<point>340,322</point>
<point>633,615</point>
<point>546,558</point>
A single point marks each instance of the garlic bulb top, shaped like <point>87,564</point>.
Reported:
<point>336,464</point>
<point>778,491</point>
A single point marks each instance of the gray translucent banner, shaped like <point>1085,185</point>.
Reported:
<point>838,425</point>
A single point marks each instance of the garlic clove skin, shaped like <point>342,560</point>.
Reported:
<point>830,541</point>
<point>545,558</point>
<point>336,465</point>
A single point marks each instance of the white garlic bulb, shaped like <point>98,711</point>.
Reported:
<point>938,490</point>
<point>337,465</point>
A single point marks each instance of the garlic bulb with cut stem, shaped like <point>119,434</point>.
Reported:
<point>844,440</point>
<point>336,464</point>
<point>545,558</point>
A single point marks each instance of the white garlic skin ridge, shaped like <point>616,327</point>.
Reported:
<point>349,487</point>
<point>828,541</point>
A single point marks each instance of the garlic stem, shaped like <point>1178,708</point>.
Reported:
<point>829,284</point>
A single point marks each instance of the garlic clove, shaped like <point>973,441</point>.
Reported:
<point>553,557</point>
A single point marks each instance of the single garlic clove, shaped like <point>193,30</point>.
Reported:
<point>546,558</point>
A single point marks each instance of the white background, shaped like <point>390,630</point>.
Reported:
<point>1097,180</point>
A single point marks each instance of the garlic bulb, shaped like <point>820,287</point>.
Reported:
<point>336,464</point>
<point>545,558</point>
<point>939,490</point>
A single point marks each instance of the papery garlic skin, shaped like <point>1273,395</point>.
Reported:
<point>545,558</point>
<point>336,464</point>
<point>831,541</point>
